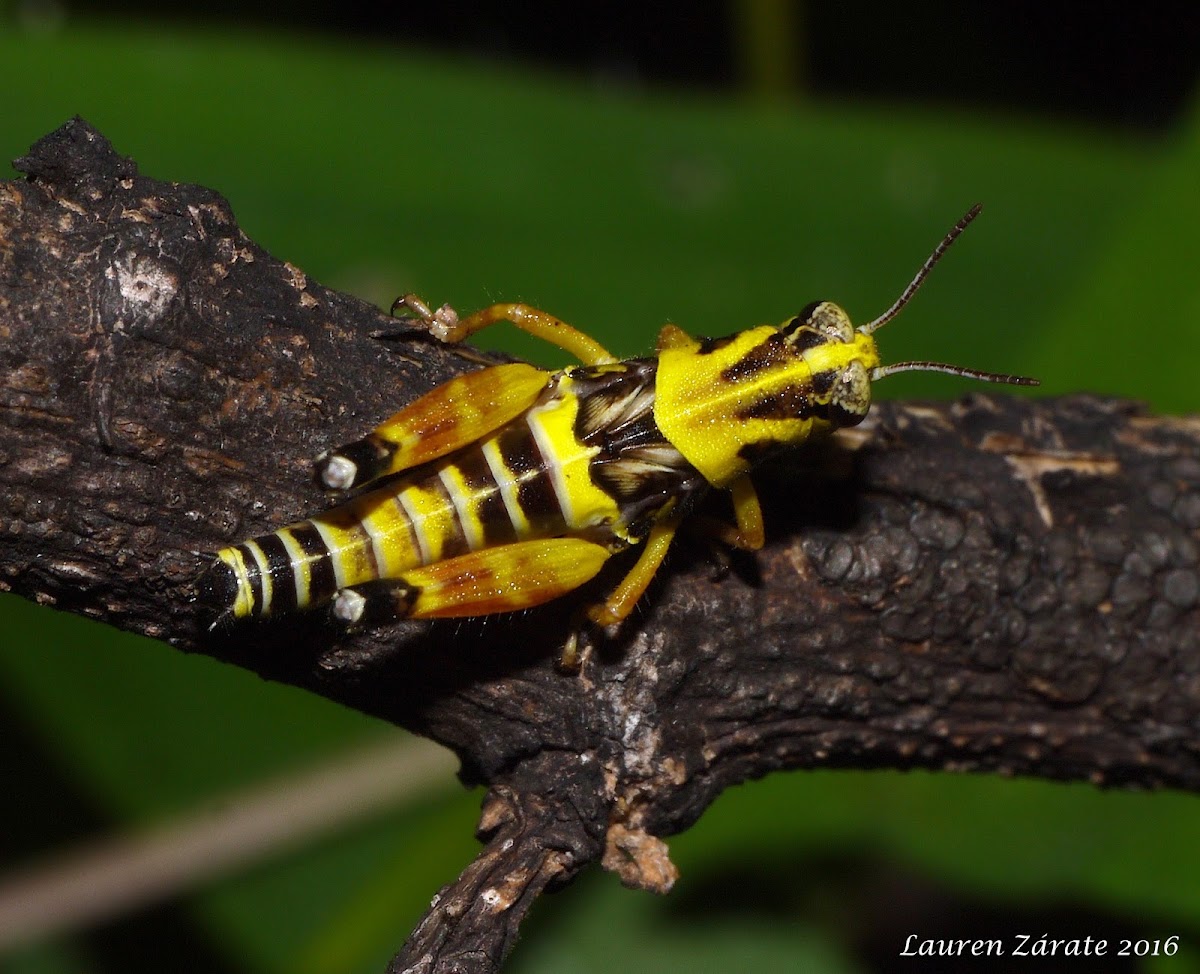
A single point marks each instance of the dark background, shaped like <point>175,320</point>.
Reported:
<point>1108,62</point>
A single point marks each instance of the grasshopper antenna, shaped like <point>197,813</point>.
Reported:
<point>923,273</point>
<point>882,371</point>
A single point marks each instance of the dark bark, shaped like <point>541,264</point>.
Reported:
<point>990,585</point>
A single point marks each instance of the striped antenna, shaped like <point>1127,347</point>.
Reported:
<point>923,273</point>
<point>882,371</point>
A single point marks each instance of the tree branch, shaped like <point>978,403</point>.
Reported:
<point>989,585</point>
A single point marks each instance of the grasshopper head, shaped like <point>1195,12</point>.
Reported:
<point>840,358</point>
<point>844,359</point>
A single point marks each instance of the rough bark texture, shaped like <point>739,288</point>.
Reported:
<point>990,585</point>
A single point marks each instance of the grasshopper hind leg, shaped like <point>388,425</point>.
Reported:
<point>374,603</point>
<point>453,415</point>
<point>446,325</point>
<point>506,578</point>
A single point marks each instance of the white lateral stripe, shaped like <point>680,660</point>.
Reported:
<point>545,444</point>
<point>299,562</point>
<point>339,575</point>
<point>417,527</point>
<point>383,564</point>
<point>264,575</point>
<point>508,488</point>
<point>462,507</point>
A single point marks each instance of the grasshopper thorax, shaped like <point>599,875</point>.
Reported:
<point>725,403</point>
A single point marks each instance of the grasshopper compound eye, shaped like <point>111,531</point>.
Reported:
<point>850,397</point>
<point>819,322</point>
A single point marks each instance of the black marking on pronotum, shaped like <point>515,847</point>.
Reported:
<point>791,402</point>
<point>770,354</point>
<point>822,382</point>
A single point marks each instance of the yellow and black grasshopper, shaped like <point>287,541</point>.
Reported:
<point>512,486</point>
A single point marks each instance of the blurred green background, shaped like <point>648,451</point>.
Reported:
<point>380,168</point>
